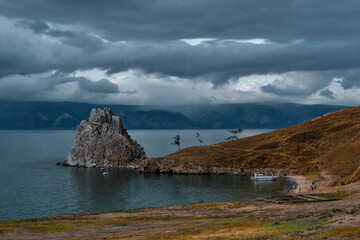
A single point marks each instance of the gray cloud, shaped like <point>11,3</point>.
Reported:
<point>115,36</point>
<point>79,39</point>
<point>216,61</point>
<point>299,84</point>
<point>44,28</point>
<point>271,88</point>
<point>279,20</point>
<point>350,82</point>
<point>101,86</point>
<point>327,93</point>
<point>59,86</point>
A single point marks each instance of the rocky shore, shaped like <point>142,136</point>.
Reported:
<point>172,167</point>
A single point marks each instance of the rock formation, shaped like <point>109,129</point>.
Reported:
<point>102,140</point>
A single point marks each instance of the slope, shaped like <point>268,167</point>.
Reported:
<point>329,143</point>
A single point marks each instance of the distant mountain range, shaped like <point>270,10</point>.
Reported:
<point>67,115</point>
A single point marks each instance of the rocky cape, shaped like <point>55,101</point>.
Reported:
<point>102,141</point>
<point>329,144</point>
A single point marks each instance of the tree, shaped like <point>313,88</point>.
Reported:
<point>199,139</point>
<point>234,134</point>
<point>176,141</point>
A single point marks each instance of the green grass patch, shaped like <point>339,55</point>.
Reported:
<point>283,227</point>
<point>332,196</point>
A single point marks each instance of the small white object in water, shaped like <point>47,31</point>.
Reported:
<point>259,176</point>
<point>105,173</point>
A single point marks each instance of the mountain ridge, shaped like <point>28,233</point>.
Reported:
<point>67,115</point>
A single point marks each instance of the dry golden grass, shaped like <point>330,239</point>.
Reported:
<point>330,144</point>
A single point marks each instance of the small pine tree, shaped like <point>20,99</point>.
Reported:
<point>176,141</point>
<point>199,139</point>
<point>234,134</point>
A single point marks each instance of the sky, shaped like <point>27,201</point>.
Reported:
<point>176,52</point>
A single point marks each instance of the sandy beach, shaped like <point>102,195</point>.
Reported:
<point>321,182</point>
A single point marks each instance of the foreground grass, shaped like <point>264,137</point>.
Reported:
<point>223,220</point>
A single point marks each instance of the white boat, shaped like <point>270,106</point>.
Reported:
<point>259,176</point>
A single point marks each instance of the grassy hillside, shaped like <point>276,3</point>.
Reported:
<point>329,144</point>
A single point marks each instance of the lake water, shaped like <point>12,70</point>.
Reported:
<point>32,186</point>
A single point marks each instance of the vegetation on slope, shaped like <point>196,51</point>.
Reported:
<point>329,143</point>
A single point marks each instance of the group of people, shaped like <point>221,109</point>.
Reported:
<point>313,186</point>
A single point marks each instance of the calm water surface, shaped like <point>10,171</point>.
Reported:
<point>32,186</point>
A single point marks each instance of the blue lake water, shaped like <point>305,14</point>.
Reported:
<point>32,186</point>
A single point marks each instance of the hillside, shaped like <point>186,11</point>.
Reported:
<point>328,144</point>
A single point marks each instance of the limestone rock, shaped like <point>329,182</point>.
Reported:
<point>102,140</point>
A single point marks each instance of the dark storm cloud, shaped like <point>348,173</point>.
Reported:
<point>215,61</point>
<point>84,41</point>
<point>271,88</point>
<point>327,93</point>
<point>174,19</point>
<point>57,78</point>
<point>101,86</point>
<point>80,39</point>
<point>285,91</point>
<point>350,82</point>
<point>300,84</point>
<point>218,62</point>
<point>45,86</point>
<point>43,27</point>
<point>42,36</point>
<point>327,27</point>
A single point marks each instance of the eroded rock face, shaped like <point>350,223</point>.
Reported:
<point>102,140</point>
<point>173,167</point>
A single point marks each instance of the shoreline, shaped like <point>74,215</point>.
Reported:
<point>288,189</point>
<point>321,181</point>
<point>298,180</point>
<point>337,218</point>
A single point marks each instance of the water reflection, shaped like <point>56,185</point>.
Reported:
<point>125,189</point>
<point>32,186</point>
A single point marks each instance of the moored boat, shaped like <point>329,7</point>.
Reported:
<point>259,176</point>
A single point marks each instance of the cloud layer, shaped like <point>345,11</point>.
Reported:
<point>293,50</point>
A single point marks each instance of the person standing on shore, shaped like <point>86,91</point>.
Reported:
<point>299,188</point>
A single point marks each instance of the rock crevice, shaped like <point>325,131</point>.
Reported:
<point>102,141</point>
